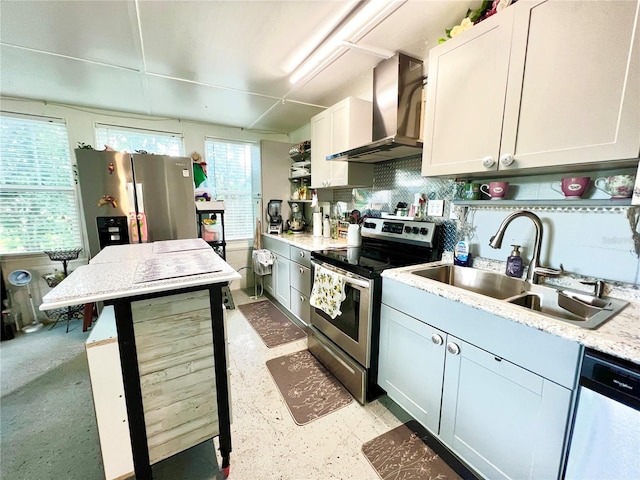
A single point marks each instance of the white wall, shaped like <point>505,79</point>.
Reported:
<point>80,123</point>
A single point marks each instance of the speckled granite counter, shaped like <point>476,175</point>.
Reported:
<point>619,336</point>
<point>307,241</point>
<point>112,274</point>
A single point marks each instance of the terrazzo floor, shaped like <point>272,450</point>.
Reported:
<point>48,428</point>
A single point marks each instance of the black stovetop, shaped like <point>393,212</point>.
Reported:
<point>373,257</point>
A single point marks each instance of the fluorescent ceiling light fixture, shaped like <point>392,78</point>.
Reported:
<point>361,23</point>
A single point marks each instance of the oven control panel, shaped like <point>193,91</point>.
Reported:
<point>407,231</point>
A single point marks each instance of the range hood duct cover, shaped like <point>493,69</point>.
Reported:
<point>397,111</point>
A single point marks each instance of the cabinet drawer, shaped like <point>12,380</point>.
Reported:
<point>276,245</point>
<point>300,277</point>
<point>298,255</point>
<point>300,306</point>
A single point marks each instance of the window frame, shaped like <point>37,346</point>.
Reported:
<point>138,130</point>
<point>70,190</point>
<point>229,219</point>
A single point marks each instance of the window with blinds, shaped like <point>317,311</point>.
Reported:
<point>229,179</point>
<point>38,205</point>
<point>136,140</point>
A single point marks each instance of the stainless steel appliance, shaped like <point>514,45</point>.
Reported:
<point>605,438</point>
<point>274,209</point>
<point>348,344</point>
<point>297,222</point>
<point>112,231</point>
<point>397,110</point>
<point>155,194</point>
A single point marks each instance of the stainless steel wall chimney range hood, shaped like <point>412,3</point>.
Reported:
<point>397,110</point>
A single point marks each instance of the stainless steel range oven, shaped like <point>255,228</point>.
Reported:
<point>348,344</point>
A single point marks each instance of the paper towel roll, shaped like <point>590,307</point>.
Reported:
<point>317,224</point>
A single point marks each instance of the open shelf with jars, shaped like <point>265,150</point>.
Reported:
<point>300,174</point>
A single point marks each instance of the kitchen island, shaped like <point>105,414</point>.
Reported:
<point>167,303</point>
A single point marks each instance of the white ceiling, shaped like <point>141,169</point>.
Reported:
<point>222,62</point>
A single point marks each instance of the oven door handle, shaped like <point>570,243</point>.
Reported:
<point>348,279</point>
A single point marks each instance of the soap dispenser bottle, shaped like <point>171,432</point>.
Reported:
<point>462,254</point>
<point>514,263</point>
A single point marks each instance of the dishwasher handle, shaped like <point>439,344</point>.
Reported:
<point>612,377</point>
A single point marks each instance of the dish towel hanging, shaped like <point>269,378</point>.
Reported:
<point>328,291</point>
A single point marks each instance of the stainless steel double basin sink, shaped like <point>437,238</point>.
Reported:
<point>571,306</point>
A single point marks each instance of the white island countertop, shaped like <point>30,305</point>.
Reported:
<point>130,270</point>
<point>618,336</point>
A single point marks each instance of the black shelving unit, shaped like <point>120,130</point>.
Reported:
<point>205,210</point>
<point>64,256</point>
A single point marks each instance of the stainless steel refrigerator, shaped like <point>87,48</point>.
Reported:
<point>135,198</point>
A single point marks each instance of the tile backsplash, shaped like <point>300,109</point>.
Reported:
<point>592,242</point>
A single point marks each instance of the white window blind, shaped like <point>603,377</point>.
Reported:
<point>229,179</point>
<point>38,207</point>
<point>132,140</point>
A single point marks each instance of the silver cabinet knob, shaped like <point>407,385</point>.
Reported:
<point>301,299</point>
<point>507,160</point>
<point>302,254</point>
<point>301,270</point>
<point>437,339</point>
<point>452,348</point>
<point>488,162</point>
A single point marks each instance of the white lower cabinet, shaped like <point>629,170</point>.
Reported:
<point>412,365</point>
<point>502,419</point>
<point>267,281</point>
<point>461,380</point>
<point>281,281</point>
<point>277,283</point>
<point>291,276</point>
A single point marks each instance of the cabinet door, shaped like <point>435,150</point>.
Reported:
<point>465,98</point>
<point>281,281</point>
<point>505,421</point>
<point>320,148</point>
<point>411,365</point>
<point>573,93</point>
<point>300,306</point>
<point>269,282</point>
<point>345,125</point>
<point>351,127</point>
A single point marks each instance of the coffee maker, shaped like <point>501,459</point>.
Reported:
<point>274,209</point>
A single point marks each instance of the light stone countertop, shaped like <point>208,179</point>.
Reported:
<point>116,278</point>
<point>307,241</point>
<point>123,253</point>
<point>619,336</point>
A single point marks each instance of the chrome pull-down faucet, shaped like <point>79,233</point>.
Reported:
<point>535,269</point>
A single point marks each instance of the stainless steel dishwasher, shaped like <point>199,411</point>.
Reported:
<point>605,438</point>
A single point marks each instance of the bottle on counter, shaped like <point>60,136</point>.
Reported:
<point>462,254</point>
<point>326,227</point>
<point>334,228</point>
<point>514,263</point>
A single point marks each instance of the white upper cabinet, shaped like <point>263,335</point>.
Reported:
<point>345,125</point>
<point>540,84</point>
<point>465,97</point>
